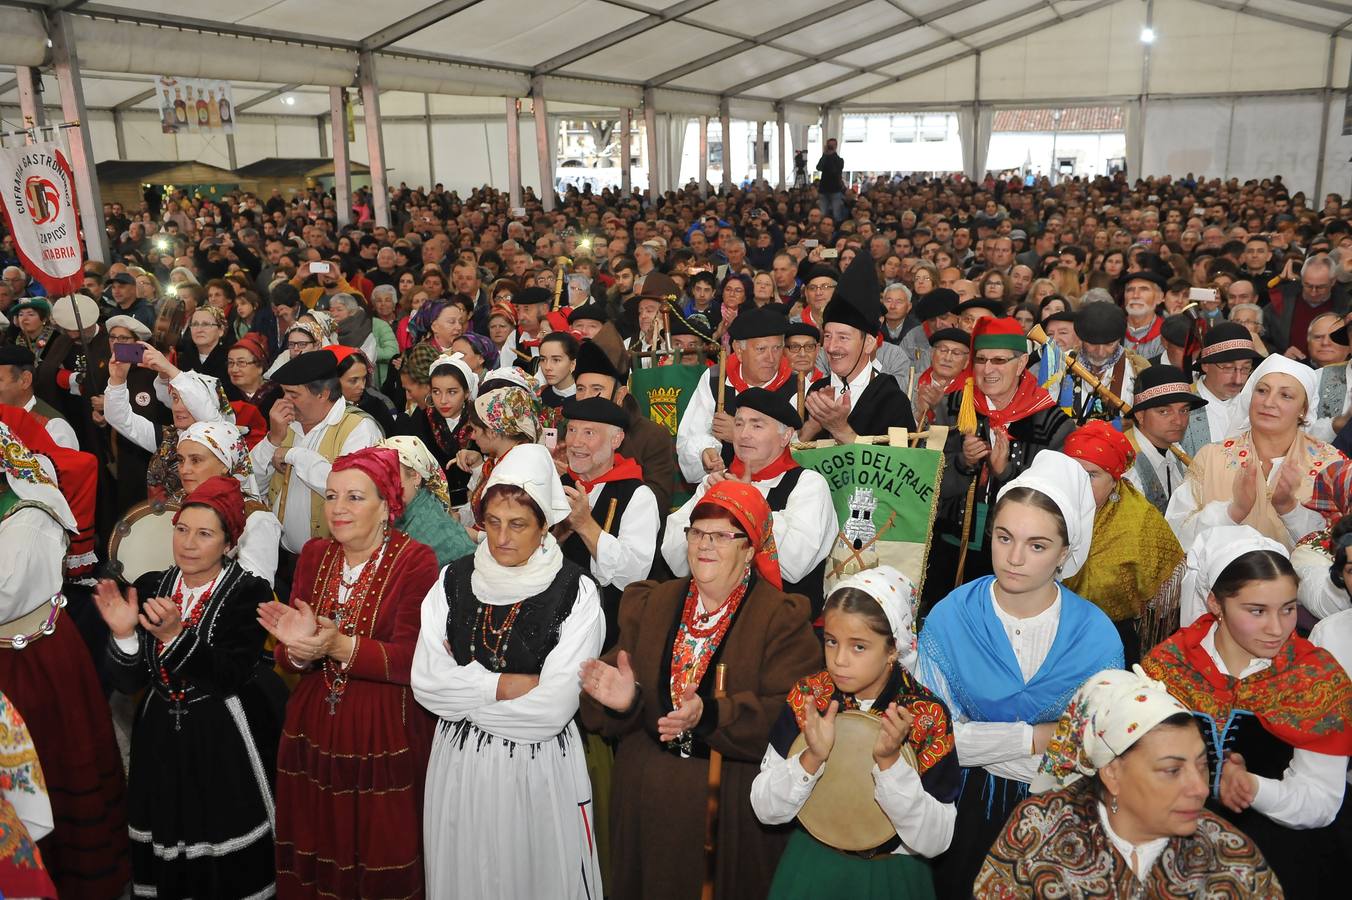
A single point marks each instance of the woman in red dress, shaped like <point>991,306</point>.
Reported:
<point>355,744</point>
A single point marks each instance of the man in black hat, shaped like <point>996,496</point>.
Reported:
<point>805,525</point>
<point>1142,294</point>
<point>1329,350</point>
<point>17,365</point>
<point>532,305</point>
<point>587,319</point>
<point>613,525</point>
<point>310,426</point>
<point>856,397</point>
<point>1227,360</point>
<point>644,311</point>
<point>936,310</point>
<point>819,287</point>
<point>688,346</point>
<point>1164,404</point>
<point>1060,327</point>
<point>123,286</point>
<point>1101,328</point>
<point>952,352</point>
<point>972,311</point>
<point>1176,334</point>
<point>601,372</point>
<point>704,436</point>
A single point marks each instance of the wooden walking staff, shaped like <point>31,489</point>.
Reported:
<point>722,376</point>
<point>967,429</point>
<point>560,276</point>
<point>715,788</point>
<point>1076,368</point>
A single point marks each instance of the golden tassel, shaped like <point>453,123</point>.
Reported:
<point>967,411</point>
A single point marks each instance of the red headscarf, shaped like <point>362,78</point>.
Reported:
<point>749,510</point>
<point>1103,445</point>
<point>255,344</point>
<point>381,465</point>
<point>221,493</point>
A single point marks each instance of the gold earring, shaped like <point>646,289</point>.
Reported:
<point>1112,805</point>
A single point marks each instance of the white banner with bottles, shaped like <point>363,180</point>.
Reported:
<point>195,104</point>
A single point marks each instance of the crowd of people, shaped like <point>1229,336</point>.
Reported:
<point>413,599</point>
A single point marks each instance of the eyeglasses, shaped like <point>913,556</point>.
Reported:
<point>121,340</point>
<point>993,361</point>
<point>211,324</point>
<point>961,351</point>
<point>696,536</point>
<point>240,363</point>
<point>820,288</point>
<point>299,345</point>
<point>1234,368</point>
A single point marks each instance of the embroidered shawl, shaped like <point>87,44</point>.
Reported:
<point>1304,698</point>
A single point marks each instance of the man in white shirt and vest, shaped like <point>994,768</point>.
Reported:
<point>1164,402</point>
<point>311,426</point>
<point>1227,359</point>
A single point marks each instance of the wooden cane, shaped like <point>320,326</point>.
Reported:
<point>610,515</point>
<point>802,394</point>
<point>967,525</point>
<point>715,787</point>
<point>910,387</point>
<point>1076,368</point>
<point>722,376</point>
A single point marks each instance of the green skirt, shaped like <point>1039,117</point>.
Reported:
<point>810,870</point>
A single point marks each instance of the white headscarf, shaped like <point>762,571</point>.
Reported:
<point>1214,549</point>
<point>896,595</point>
<point>457,360</point>
<point>1108,714</point>
<point>202,397</point>
<point>225,443</point>
<point>1308,378</point>
<point>531,468</point>
<point>1063,482</point>
<point>512,374</point>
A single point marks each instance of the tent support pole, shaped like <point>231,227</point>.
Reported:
<point>342,169</point>
<point>514,150</point>
<point>375,139</point>
<point>73,109</point>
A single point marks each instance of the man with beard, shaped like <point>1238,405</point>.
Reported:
<point>1142,294</point>
<point>1101,328</point>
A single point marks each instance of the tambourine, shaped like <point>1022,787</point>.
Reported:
<point>841,811</point>
<point>142,541</point>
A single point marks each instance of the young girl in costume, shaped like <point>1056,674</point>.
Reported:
<point>1275,709</point>
<point>1006,652</point>
<point>870,651</point>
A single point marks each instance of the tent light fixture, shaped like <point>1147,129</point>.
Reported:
<point>1147,35</point>
<point>289,100</point>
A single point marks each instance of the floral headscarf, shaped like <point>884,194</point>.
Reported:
<point>414,454</point>
<point>1332,497</point>
<point>510,411</point>
<point>224,442</point>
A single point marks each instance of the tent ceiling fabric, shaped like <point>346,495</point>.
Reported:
<point>605,52</point>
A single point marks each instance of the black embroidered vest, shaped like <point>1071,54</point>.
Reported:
<point>810,586</point>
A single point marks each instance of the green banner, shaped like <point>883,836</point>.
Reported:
<point>662,394</point>
<point>885,500</point>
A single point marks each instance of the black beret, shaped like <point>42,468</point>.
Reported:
<point>307,368</point>
<point>596,409</point>
<point>771,404</point>
<point>757,323</point>
<point>802,329</point>
<point>532,295</point>
<point>1176,329</point>
<point>592,360</point>
<point>994,307</point>
<point>1065,315</point>
<point>590,310</point>
<point>1101,323</point>
<point>821,270</point>
<point>938,302</point>
<point>1154,278</point>
<point>956,335</point>
<point>17,356</point>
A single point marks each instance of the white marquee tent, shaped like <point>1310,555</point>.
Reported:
<point>1240,88</point>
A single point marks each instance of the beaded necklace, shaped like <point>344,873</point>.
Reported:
<point>353,610</point>
<point>177,695</point>
<point>493,638</point>
<point>700,635</point>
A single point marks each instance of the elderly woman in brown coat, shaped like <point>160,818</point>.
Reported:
<point>655,693</point>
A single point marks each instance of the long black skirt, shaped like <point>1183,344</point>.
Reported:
<point>201,794</point>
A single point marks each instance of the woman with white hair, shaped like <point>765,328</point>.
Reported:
<point>387,345</point>
<point>354,324</point>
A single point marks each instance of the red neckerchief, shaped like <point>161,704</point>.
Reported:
<point>777,466</point>
<point>806,317</point>
<point>740,383</point>
<point>528,343</point>
<point>1029,398</point>
<point>1155,328</point>
<point>1303,699</point>
<point>623,470</point>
